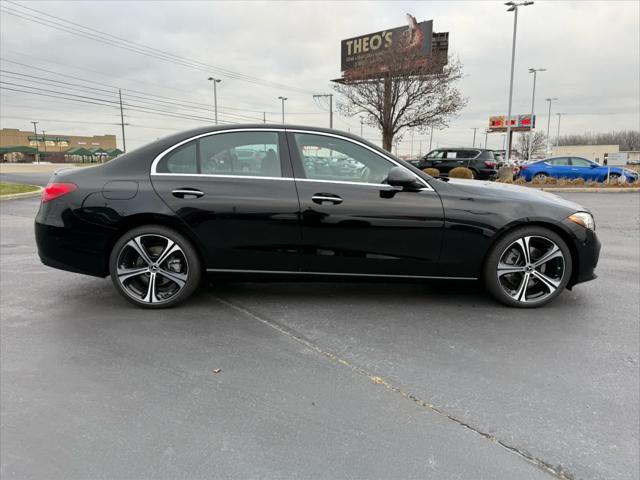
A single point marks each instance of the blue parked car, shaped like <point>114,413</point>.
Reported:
<point>574,167</point>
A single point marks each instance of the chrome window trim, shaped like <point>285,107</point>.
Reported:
<point>288,272</point>
<point>220,175</point>
<point>270,129</point>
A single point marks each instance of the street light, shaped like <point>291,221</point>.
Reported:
<point>474,136</point>
<point>35,132</point>
<point>283,99</point>
<point>215,96</point>
<point>513,7</point>
<point>533,100</point>
<point>558,137</point>
<point>361,125</point>
<point>550,100</point>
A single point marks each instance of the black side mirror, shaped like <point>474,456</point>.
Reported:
<point>401,177</point>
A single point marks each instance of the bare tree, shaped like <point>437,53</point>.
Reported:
<point>628,140</point>
<point>406,92</point>
<point>538,144</point>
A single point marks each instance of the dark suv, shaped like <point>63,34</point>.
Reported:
<point>483,163</point>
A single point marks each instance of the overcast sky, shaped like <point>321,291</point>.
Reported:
<point>591,51</point>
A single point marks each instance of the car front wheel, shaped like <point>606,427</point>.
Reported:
<point>528,267</point>
<point>154,267</point>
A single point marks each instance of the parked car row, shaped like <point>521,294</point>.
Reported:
<point>484,165</point>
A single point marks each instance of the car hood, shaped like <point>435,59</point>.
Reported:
<point>513,192</point>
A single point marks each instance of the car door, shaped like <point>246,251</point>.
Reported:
<point>245,215</point>
<point>583,168</point>
<point>354,223</point>
<point>560,168</point>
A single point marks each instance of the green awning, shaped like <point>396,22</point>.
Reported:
<point>80,151</point>
<point>114,152</point>
<point>17,148</point>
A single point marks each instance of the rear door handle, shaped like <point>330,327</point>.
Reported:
<point>320,198</point>
<point>187,193</point>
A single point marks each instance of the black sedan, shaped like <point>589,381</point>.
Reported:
<point>160,218</point>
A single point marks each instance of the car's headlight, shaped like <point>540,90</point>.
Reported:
<point>583,219</point>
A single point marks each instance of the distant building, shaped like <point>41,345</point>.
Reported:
<point>54,142</point>
<point>597,153</point>
<point>22,146</point>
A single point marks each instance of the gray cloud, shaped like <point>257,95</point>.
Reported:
<point>591,51</point>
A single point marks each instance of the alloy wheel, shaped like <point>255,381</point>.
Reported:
<point>531,269</point>
<point>152,268</point>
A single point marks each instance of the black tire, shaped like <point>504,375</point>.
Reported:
<point>175,277</point>
<point>613,178</point>
<point>474,174</point>
<point>540,238</point>
<point>540,176</point>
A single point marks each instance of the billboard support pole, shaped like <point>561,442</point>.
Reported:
<point>386,113</point>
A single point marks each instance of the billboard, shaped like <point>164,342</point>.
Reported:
<point>519,123</point>
<point>366,56</point>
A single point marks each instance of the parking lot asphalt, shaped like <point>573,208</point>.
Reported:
<point>320,380</point>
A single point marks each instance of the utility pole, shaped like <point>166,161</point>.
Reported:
<point>44,141</point>
<point>533,100</point>
<point>124,142</point>
<point>330,97</point>
<point>215,97</point>
<point>558,137</point>
<point>412,143</point>
<point>283,99</point>
<point>361,126</point>
<point>550,100</point>
<point>513,7</point>
<point>35,132</point>
<point>474,136</point>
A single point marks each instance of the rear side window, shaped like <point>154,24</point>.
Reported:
<point>181,160</point>
<point>241,153</point>
<point>559,161</point>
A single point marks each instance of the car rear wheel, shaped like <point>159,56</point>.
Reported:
<point>528,267</point>
<point>540,177</point>
<point>154,267</point>
<point>614,178</point>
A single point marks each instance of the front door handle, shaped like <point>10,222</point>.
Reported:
<point>320,198</point>
<point>187,193</point>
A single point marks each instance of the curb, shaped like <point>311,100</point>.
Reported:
<point>35,193</point>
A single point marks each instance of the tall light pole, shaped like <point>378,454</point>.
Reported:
<point>35,132</point>
<point>474,136</point>
<point>215,97</point>
<point>533,102</point>
<point>513,7</point>
<point>283,99</point>
<point>361,126</point>
<point>550,100</point>
<point>486,136</point>
<point>558,137</point>
<point>431,138</point>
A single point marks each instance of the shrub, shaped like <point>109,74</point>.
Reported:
<point>591,183</point>
<point>461,172</point>
<point>538,180</point>
<point>434,172</point>
<point>520,181</point>
<point>578,181</point>
<point>551,181</point>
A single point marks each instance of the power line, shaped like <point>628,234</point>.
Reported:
<point>119,42</point>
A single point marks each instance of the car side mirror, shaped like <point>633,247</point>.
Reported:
<point>593,165</point>
<point>403,178</point>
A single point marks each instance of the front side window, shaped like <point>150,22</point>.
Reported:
<point>241,153</point>
<point>580,162</point>
<point>435,154</point>
<point>330,158</point>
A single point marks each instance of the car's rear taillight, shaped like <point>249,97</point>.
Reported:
<point>56,190</point>
<point>490,164</point>
<point>523,167</point>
